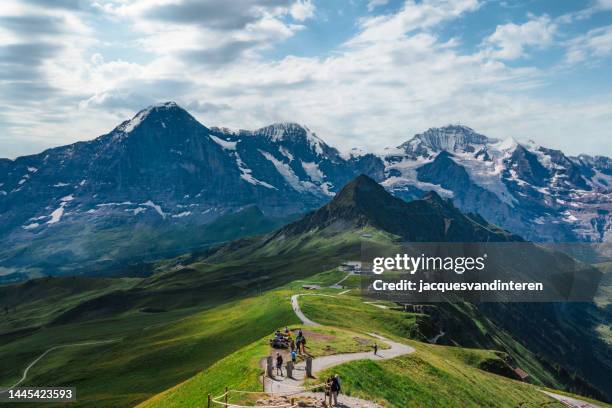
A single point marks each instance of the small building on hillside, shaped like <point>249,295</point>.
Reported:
<point>351,266</point>
<point>521,374</point>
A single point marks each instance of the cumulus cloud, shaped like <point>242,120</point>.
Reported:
<point>511,41</point>
<point>73,78</point>
<point>302,10</point>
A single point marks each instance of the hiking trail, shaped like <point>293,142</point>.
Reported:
<point>33,363</point>
<point>284,385</point>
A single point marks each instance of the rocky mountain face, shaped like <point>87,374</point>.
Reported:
<point>163,175</point>
<point>165,163</point>
<point>363,202</point>
<point>152,183</point>
<point>538,193</point>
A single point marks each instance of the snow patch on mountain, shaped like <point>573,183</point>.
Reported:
<point>156,207</point>
<point>313,171</point>
<point>316,175</point>
<point>285,153</point>
<point>129,126</point>
<point>402,173</point>
<point>291,131</point>
<point>225,144</point>
<point>290,177</point>
<point>57,214</point>
<point>352,153</point>
<point>247,174</point>
<point>487,173</point>
<point>138,210</point>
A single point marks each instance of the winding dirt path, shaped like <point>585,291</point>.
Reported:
<point>293,386</point>
<point>571,402</point>
<point>33,363</point>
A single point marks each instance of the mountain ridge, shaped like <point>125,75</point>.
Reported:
<point>164,169</point>
<point>364,202</point>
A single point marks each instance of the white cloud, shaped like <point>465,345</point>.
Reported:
<point>413,16</point>
<point>604,4</point>
<point>594,45</point>
<point>510,41</point>
<point>393,78</point>
<point>372,4</point>
<point>302,10</point>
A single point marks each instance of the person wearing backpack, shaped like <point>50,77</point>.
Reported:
<point>335,388</point>
<point>279,364</point>
<point>328,391</point>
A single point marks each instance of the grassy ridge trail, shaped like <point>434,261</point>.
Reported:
<point>285,385</point>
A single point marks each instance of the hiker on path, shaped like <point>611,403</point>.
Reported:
<point>375,349</point>
<point>328,391</point>
<point>279,364</point>
<point>303,344</point>
<point>335,388</point>
<point>298,342</point>
<point>293,356</point>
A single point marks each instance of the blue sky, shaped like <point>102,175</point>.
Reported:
<point>366,74</point>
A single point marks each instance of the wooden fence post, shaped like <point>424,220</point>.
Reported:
<point>309,367</point>
<point>209,397</point>
<point>226,391</point>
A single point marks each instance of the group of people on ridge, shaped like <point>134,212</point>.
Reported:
<point>332,385</point>
<point>296,346</point>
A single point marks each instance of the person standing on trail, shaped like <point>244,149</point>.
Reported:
<point>298,343</point>
<point>303,344</point>
<point>375,349</point>
<point>279,364</point>
<point>335,388</point>
<point>328,391</point>
<point>293,356</point>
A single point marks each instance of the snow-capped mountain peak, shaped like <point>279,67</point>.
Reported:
<point>164,109</point>
<point>293,132</point>
<point>166,156</point>
<point>451,138</point>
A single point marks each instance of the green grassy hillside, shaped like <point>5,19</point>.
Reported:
<point>432,376</point>
<point>436,376</point>
<point>154,351</point>
<point>196,311</point>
